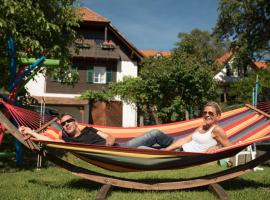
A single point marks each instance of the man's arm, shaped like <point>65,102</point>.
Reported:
<point>28,131</point>
<point>109,138</point>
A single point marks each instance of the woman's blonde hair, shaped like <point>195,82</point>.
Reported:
<point>214,105</point>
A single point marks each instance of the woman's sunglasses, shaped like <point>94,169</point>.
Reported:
<point>211,114</point>
<point>67,121</point>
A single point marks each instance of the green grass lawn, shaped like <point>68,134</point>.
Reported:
<point>55,183</point>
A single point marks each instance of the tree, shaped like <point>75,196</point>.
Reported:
<point>37,27</point>
<point>242,89</point>
<point>247,25</point>
<point>203,45</point>
<point>168,86</point>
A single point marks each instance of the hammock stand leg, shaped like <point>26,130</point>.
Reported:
<point>39,160</point>
<point>103,192</point>
<point>215,188</point>
<point>218,191</point>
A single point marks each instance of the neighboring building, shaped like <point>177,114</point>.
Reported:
<point>154,53</point>
<point>104,56</point>
<point>230,74</point>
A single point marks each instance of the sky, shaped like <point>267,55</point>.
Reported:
<point>155,24</point>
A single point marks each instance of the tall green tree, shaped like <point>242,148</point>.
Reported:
<point>167,87</point>
<point>242,90</point>
<point>37,27</point>
<point>246,24</point>
<point>206,47</point>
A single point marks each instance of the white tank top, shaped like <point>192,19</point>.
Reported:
<point>200,141</point>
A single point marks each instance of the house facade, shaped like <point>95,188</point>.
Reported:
<point>103,56</point>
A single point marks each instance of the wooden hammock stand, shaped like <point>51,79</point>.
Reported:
<point>108,182</point>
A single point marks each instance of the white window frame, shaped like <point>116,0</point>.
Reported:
<point>99,75</point>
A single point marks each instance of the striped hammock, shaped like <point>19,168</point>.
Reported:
<point>244,126</point>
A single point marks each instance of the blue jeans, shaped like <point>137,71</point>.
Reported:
<point>149,139</point>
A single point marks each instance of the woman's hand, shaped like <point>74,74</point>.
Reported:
<point>212,149</point>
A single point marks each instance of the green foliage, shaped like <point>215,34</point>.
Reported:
<point>65,76</point>
<point>37,27</point>
<point>168,86</point>
<point>205,47</point>
<point>95,96</point>
<point>242,89</point>
<point>130,89</point>
<point>246,24</point>
<point>3,72</point>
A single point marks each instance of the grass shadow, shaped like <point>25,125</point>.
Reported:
<point>73,184</point>
<point>29,161</point>
<point>83,184</point>
<point>10,164</point>
<point>241,183</point>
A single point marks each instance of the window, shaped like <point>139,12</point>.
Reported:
<point>100,75</point>
<point>228,70</point>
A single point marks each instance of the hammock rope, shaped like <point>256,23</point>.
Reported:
<point>264,106</point>
<point>25,117</point>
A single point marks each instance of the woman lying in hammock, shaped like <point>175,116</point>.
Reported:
<point>204,138</point>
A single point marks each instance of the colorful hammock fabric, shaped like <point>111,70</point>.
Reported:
<point>244,126</point>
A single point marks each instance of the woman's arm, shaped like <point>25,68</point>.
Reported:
<point>28,131</point>
<point>179,143</point>
<point>109,138</point>
<point>220,135</point>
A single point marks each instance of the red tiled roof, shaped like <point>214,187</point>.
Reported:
<point>149,53</point>
<point>228,56</point>
<point>225,58</point>
<point>89,15</point>
<point>261,65</point>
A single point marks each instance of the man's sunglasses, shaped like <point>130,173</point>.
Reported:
<point>211,114</point>
<point>67,121</point>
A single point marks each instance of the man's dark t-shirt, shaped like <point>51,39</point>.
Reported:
<point>88,136</point>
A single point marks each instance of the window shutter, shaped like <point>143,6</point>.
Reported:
<point>109,76</point>
<point>89,75</point>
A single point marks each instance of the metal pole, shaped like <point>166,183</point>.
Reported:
<point>256,91</point>
<point>253,97</point>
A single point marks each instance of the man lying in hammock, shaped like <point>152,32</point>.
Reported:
<point>204,138</point>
